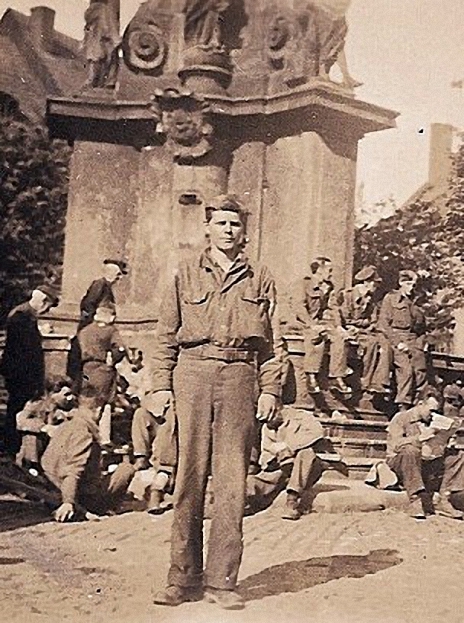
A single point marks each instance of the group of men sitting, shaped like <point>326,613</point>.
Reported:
<point>388,336</point>
<point>61,430</point>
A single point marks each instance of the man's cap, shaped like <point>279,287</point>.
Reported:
<point>452,392</point>
<point>123,266</point>
<point>51,293</point>
<point>226,202</point>
<point>407,275</point>
<point>368,273</point>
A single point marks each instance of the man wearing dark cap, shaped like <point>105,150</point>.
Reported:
<point>101,290</point>
<point>217,343</point>
<point>23,365</point>
<point>359,312</point>
<point>403,324</point>
<point>314,310</point>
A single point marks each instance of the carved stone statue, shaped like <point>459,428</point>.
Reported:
<point>180,118</point>
<point>203,23</point>
<point>101,44</point>
<point>309,42</point>
<point>327,30</point>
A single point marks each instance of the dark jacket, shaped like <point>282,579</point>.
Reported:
<point>23,363</point>
<point>100,291</point>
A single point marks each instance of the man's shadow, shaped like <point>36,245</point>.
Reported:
<point>17,513</point>
<point>299,575</point>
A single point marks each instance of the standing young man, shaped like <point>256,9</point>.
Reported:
<point>217,341</point>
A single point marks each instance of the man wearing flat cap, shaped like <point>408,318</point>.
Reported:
<point>403,324</point>
<point>101,290</point>
<point>23,365</point>
<point>359,313</point>
<point>217,343</point>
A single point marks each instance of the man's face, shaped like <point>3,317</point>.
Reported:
<point>113,273</point>
<point>64,398</point>
<point>428,407</point>
<point>407,287</point>
<point>226,231</point>
<point>324,272</point>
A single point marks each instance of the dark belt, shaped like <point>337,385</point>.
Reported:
<point>222,353</point>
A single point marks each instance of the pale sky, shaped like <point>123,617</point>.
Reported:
<point>406,52</point>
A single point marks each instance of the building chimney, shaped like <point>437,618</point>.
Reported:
<point>441,145</point>
<point>41,22</point>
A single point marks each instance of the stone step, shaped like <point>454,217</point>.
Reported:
<point>358,467</point>
<point>352,428</point>
<point>362,448</point>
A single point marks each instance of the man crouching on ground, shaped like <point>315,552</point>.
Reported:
<point>72,462</point>
<point>215,341</point>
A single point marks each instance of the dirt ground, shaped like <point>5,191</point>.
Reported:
<point>380,567</point>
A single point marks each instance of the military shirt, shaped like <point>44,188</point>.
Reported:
<point>205,305</point>
<point>311,302</point>
<point>72,458</point>
<point>357,311</point>
<point>97,340</point>
<point>400,316</point>
<point>404,429</point>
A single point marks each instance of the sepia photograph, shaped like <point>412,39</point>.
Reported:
<point>231,311</point>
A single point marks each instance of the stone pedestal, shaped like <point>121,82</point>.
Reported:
<point>146,160</point>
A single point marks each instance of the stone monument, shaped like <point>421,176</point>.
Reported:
<point>212,96</point>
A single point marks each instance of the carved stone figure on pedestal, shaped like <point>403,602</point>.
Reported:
<point>203,23</point>
<point>181,119</point>
<point>205,54</point>
<point>307,43</point>
<point>101,44</point>
<point>327,32</point>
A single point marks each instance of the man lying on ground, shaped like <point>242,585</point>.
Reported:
<point>72,462</point>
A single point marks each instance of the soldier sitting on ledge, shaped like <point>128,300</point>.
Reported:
<point>359,313</point>
<point>315,312</point>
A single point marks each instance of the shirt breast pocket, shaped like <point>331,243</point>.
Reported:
<point>254,316</point>
<point>195,323</point>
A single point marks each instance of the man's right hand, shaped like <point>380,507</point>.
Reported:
<point>64,513</point>
<point>157,403</point>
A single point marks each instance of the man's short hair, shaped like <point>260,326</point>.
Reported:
<point>318,262</point>
<point>229,203</point>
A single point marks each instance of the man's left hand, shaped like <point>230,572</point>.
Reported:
<point>267,405</point>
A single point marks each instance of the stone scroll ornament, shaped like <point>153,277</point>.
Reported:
<point>145,46</point>
<point>180,118</point>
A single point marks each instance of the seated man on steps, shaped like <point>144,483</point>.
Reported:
<point>288,461</point>
<point>39,418</point>
<point>417,451</point>
<point>359,314</point>
<point>314,311</point>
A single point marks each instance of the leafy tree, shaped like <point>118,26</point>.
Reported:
<point>34,175</point>
<point>427,237</point>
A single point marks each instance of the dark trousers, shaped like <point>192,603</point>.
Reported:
<point>215,407</point>
<point>410,371</point>
<point>110,493</point>
<point>417,475</point>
